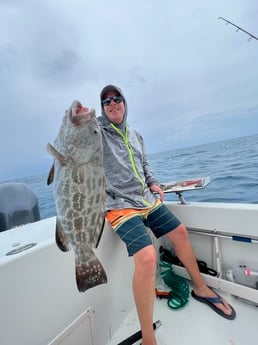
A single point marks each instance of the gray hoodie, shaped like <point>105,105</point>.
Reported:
<point>128,174</point>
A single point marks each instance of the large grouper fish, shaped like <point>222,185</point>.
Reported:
<point>79,192</point>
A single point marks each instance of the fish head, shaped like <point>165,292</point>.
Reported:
<point>79,138</point>
<point>79,115</point>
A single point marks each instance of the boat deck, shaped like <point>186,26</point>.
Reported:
<point>196,324</point>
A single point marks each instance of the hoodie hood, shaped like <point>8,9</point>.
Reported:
<point>107,88</point>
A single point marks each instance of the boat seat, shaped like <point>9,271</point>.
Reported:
<point>18,205</point>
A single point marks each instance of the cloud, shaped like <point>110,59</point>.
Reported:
<point>188,77</point>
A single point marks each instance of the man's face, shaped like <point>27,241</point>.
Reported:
<point>115,109</point>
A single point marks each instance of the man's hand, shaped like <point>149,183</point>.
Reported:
<point>156,189</point>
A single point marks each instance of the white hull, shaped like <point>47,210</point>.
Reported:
<point>39,298</point>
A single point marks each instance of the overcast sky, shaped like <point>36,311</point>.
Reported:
<point>188,77</point>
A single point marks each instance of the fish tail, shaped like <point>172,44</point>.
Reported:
<point>90,274</point>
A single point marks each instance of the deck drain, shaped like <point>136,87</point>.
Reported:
<point>21,249</point>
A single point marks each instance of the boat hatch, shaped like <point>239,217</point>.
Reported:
<point>79,332</point>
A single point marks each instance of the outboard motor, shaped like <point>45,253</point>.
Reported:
<point>18,205</point>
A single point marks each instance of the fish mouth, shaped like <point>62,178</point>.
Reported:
<point>80,114</point>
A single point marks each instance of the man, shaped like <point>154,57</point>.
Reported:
<point>131,205</point>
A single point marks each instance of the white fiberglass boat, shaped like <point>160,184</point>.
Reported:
<point>40,303</point>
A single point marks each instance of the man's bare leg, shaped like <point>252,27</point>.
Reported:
<point>184,250</point>
<point>144,291</point>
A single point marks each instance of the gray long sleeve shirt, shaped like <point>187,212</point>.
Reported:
<point>128,174</point>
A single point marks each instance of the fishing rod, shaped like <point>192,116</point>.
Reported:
<point>239,28</point>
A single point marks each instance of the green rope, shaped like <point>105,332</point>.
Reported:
<point>179,294</point>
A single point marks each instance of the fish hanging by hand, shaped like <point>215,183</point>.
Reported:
<point>79,192</point>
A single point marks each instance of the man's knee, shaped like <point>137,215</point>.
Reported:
<point>146,258</point>
<point>178,234</point>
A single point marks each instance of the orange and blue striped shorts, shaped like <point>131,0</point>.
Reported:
<point>130,224</point>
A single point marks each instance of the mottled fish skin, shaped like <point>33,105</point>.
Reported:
<point>79,192</point>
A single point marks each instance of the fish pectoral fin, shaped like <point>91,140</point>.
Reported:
<point>90,274</point>
<point>51,175</point>
<point>57,155</point>
<point>61,240</point>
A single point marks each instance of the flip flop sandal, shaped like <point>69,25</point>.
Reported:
<point>210,302</point>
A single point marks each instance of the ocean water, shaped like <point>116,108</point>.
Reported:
<point>232,166</point>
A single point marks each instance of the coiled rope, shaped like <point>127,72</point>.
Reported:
<point>179,294</point>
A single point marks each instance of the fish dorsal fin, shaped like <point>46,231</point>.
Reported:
<point>98,234</point>
<point>101,223</point>
<point>51,175</point>
<point>61,240</point>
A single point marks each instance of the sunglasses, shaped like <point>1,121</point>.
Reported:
<point>116,99</point>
